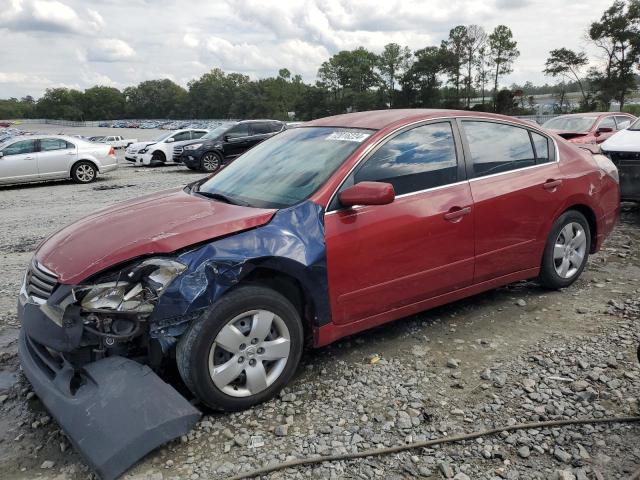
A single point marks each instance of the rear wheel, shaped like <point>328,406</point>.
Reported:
<point>567,250</point>
<point>84,172</point>
<point>210,162</point>
<point>244,351</point>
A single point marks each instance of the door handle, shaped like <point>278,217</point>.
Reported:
<point>456,213</point>
<point>29,158</point>
<point>71,153</point>
<point>551,184</point>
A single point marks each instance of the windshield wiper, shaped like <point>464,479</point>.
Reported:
<point>221,197</point>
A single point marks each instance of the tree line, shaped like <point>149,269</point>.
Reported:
<point>464,71</point>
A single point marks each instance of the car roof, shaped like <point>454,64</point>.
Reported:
<point>591,114</point>
<point>379,119</point>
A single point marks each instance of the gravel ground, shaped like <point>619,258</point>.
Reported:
<point>516,354</point>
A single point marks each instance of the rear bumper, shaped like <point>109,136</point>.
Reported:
<point>114,410</point>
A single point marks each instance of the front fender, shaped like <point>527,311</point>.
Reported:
<point>292,243</point>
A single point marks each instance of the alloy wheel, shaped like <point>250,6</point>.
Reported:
<point>249,353</point>
<point>85,173</point>
<point>210,162</point>
<point>569,250</point>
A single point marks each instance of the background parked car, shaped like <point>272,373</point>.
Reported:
<point>46,157</point>
<point>590,128</point>
<point>118,141</point>
<point>161,150</point>
<point>623,149</point>
<point>225,143</point>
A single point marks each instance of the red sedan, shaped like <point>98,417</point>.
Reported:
<point>589,128</point>
<point>322,231</point>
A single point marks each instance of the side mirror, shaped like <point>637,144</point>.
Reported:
<point>367,193</point>
<point>226,138</point>
<point>170,140</point>
<point>605,130</point>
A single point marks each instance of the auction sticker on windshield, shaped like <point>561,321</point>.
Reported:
<point>349,136</point>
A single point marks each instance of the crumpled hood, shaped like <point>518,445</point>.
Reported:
<point>623,141</point>
<point>138,145</point>
<point>568,134</point>
<point>154,224</point>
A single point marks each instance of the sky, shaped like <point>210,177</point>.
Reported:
<point>81,43</point>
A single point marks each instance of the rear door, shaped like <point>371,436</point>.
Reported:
<point>623,121</point>
<point>384,257</point>
<point>260,131</point>
<point>516,186</point>
<point>18,162</point>
<point>236,140</point>
<point>55,157</point>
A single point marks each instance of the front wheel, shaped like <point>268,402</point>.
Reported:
<point>84,172</point>
<point>244,351</point>
<point>567,250</point>
<point>210,162</point>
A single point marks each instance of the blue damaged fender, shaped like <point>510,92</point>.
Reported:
<point>292,243</point>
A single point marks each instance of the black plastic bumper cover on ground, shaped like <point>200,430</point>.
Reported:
<point>115,413</point>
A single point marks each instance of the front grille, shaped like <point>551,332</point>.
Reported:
<point>177,151</point>
<point>41,282</point>
<point>625,158</point>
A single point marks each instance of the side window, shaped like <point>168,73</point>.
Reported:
<point>497,148</point>
<point>240,130</point>
<point>607,122</point>
<point>260,128</point>
<point>420,158</point>
<point>276,126</point>
<point>20,148</point>
<point>182,136</point>
<point>197,134</point>
<point>49,144</point>
<point>541,144</point>
<point>623,122</point>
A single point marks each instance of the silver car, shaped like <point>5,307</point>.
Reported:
<point>46,157</point>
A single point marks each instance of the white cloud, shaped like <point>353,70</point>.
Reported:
<point>40,15</point>
<point>190,40</point>
<point>109,50</point>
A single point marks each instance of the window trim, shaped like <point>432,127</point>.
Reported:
<point>599,122</point>
<point>615,119</point>
<point>470,171</point>
<point>334,206</point>
<point>36,147</point>
<point>72,146</point>
<point>455,119</point>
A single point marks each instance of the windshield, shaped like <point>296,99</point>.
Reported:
<point>570,124</point>
<point>216,132</point>
<point>287,168</point>
<point>635,126</point>
<point>163,137</point>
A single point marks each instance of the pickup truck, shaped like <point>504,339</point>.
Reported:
<point>118,141</point>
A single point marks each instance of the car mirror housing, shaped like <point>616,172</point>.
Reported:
<point>170,140</point>
<point>605,130</point>
<point>367,193</point>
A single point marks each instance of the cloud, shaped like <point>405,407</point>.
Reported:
<point>190,40</point>
<point>109,50</point>
<point>40,16</point>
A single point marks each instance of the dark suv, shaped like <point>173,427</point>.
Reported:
<point>226,142</point>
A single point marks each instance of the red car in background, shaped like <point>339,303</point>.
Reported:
<point>319,232</point>
<point>589,128</point>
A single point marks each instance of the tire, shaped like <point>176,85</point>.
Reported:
<point>158,157</point>
<point>84,172</point>
<point>200,347</point>
<point>210,162</point>
<point>566,252</point>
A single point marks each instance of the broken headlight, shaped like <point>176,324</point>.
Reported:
<point>135,289</point>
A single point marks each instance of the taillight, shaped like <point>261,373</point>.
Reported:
<point>112,152</point>
<point>607,166</point>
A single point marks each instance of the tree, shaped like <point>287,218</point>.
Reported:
<point>61,103</point>
<point>103,103</point>
<point>481,65</point>
<point>456,46</point>
<point>421,83</point>
<point>617,35</point>
<point>567,64</point>
<point>392,63</point>
<point>476,40</point>
<point>503,52</point>
<point>156,99</point>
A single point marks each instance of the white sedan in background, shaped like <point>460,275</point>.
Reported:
<point>46,157</point>
<point>163,149</point>
<point>623,149</point>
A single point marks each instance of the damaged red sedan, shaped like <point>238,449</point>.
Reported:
<point>589,128</point>
<point>320,232</point>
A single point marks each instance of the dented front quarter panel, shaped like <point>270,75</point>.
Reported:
<point>292,244</point>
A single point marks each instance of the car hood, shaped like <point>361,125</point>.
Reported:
<point>139,145</point>
<point>154,224</point>
<point>623,141</point>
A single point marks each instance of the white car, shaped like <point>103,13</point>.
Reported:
<point>46,157</point>
<point>118,141</point>
<point>163,149</point>
<point>623,149</point>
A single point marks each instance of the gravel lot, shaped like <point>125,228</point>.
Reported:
<point>516,354</point>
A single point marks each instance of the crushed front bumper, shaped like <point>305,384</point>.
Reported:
<point>114,410</point>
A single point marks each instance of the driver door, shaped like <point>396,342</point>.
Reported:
<point>386,259</point>
<point>18,162</point>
